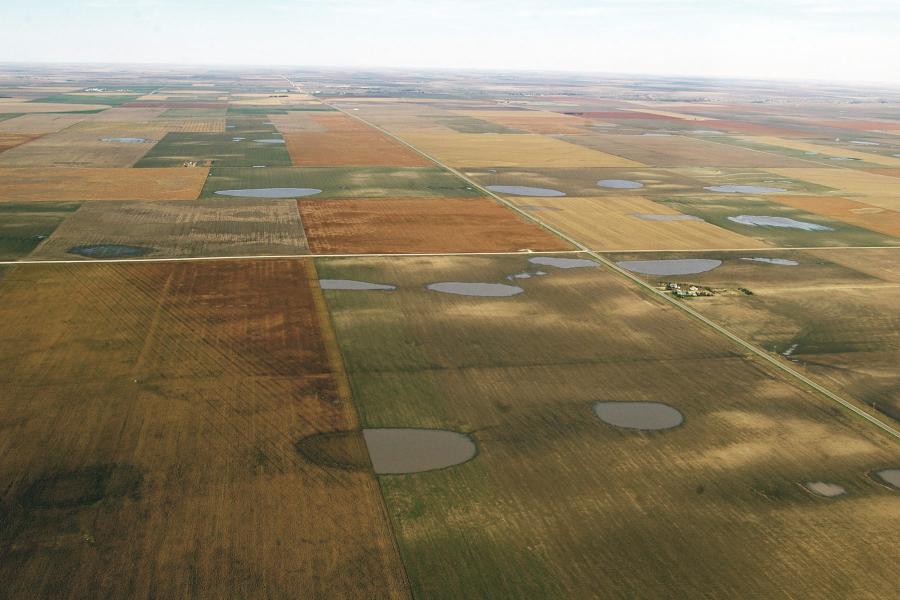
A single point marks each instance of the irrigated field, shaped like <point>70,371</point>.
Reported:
<point>25,226</point>
<point>560,504</point>
<point>343,182</point>
<point>397,225</point>
<point>148,431</point>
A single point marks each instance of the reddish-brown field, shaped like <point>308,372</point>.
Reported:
<point>148,437</point>
<point>11,140</point>
<point>24,183</point>
<point>347,142</point>
<point>870,217</point>
<point>399,225</point>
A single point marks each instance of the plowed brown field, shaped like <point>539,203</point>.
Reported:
<point>399,225</point>
<point>174,395</point>
<point>347,142</point>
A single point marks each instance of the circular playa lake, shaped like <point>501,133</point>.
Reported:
<point>620,184</point>
<point>744,189</point>
<point>825,489</point>
<point>400,451</point>
<point>784,262</point>
<point>109,251</point>
<point>675,266</point>
<point>270,141</point>
<point>563,263</point>
<point>270,192</point>
<point>126,140</point>
<point>351,284</point>
<point>779,222</point>
<point>466,288</point>
<point>890,477</point>
<point>647,416</point>
<point>523,190</point>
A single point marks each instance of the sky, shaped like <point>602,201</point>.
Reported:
<point>830,40</point>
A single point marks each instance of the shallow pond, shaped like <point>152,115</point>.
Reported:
<point>351,284</point>
<point>620,184</point>
<point>108,250</point>
<point>397,451</point>
<point>522,190</point>
<point>270,192</point>
<point>785,262</point>
<point>465,288</point>
<point>562,263</point>
<point>744,189</point>
<point>269,141</point>
<point>126,140</point>
<point>890,477</point>
<point>675,266</point>
<point>780,222</point>
<point>649,416</point>
<point>824,489</point>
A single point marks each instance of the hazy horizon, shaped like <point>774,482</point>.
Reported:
<point>807,40</point>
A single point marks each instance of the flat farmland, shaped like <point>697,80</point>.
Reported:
<point>809,228</point>
<point>857,213</point>
<point>874,189</point>
<point>148,437</point>
<point>520,374</point>
<point>23,227</point>
<point>344,182</point>
<point>583,182</point>
<point>533,121</point>
<point>398,225</point>
<point>15,105</point>
<point>233,227</point>
<point>38,124</point>
<point>33,184</point>
<point>510,150</point>
<point>87,145</point>
<point>243,142</point>
<point>824,314</point>
<point>348,142</point>
<point>682,151</point>
<point>631,222</point>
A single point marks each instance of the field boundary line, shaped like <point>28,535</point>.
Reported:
<point>759,352</point>
<point>162,259</point>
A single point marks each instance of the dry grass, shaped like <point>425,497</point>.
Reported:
<point>13,105</point>
<point>81,145</point>
<point>149,430</point>
<point>399,225</point>
<point>558,504</point>
<point>27,184</point>
<point>511,150</point>
<point>532,121</point>
<point>874,189</point>
<point>228,227</point>
<point>609,223</point>
<point>40,123</point>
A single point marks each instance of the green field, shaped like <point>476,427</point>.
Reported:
<point>25,226</point>
<point>342,182</point>
<point>718,209</point>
